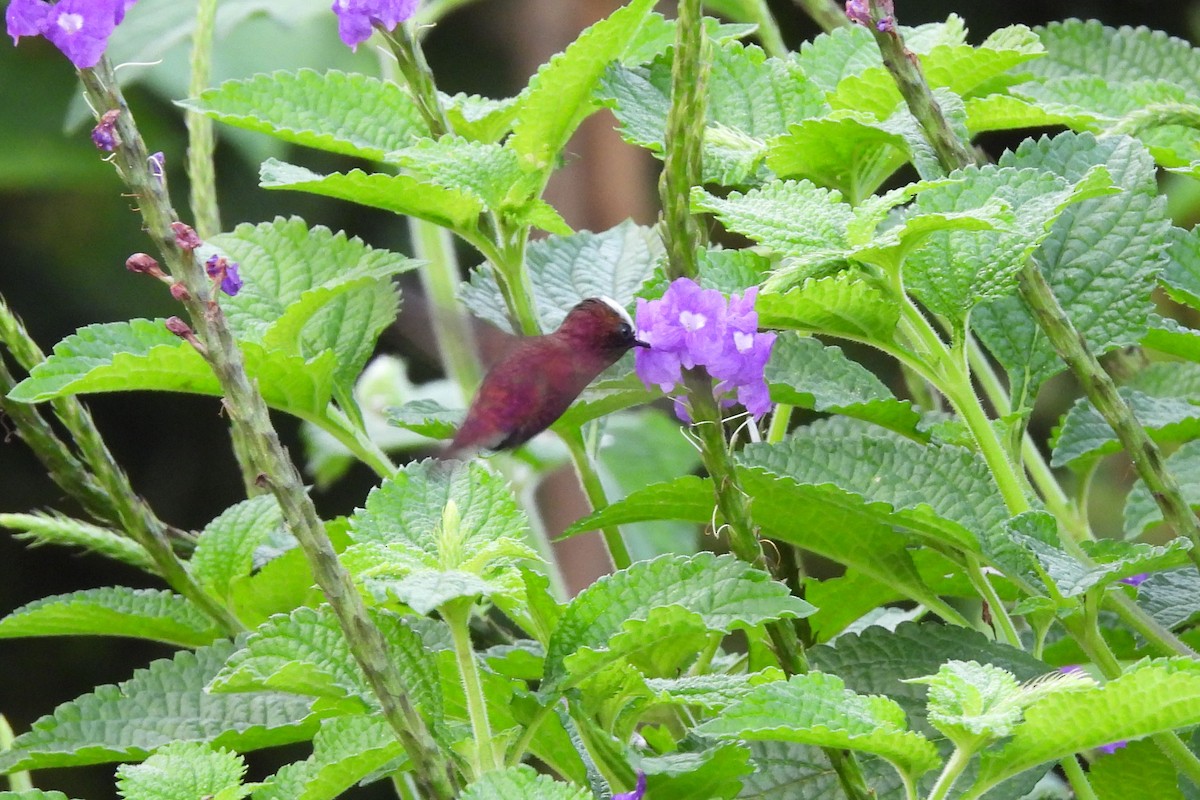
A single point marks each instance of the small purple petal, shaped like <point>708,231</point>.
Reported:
<point>660,368</point>
<point>80,28</point>
<point>158,165</point>
<point>357,18</point>
<point>26,18</point>
<point>858,12</point>
<point>638,793</point>
<point>104,135</point>
<point>682,411</point>
<point>231,283</point>
<point>1135,580</point>
<point>1070,669</point>
<point>1112,747</point>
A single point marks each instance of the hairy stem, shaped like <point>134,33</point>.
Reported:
<point>269,459</point>
<point>457,614</point>
<point>201,140</point>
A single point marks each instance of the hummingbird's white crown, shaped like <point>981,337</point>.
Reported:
<point>617,307</point>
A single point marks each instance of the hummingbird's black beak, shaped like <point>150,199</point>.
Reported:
<point>640,343</point>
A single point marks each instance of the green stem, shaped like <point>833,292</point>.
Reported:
<point>269,459</point>
<point>201,141</point>
<point>826,13</point>
<point>338,425</point>
<point>781,417</point>
<point>995,604</point>
<point>415,69</point>
<point>457,614</point>
<point>768,30</point>
<point>17,781</point>
<point>959,760</point>
<point>439,277</point>
<point>593,487</point>
<point>1078,779</point>
<point>519,749</point>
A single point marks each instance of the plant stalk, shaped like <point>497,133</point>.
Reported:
<point>201,139</point>
<point>826,13</point>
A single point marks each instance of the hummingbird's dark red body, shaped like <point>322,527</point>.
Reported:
<point>531,387</point>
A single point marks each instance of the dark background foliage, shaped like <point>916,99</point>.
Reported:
<point>65,233</point>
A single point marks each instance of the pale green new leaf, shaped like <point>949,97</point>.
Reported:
<point>57,529</point>
<point>155,614</point>
<point>878,661</point>
<point>184,771</point>
<point>162,703</point>
<point>843,305</point>
<point>559,96</point>
<point>817,709</point>
<point>804,372</point>
<point>848,151</point>
<point>143,355</point>
<point>480,119</point>
<point>225,550</point>
<point>345,750</point>
<point>346,113</point>
<point>662,644</point>
<point>566,269</point>
<point>727,593</point>
<point>1151,697</point>
<point>400,194</point>
<point>522,783</point>
<point>1084,434</point>
<point>791,218</point>
<point>1100,258</point>
<point>971,702</point>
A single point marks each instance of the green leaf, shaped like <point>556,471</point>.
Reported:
<point>345,750</point>
<point>818,709</point>
<point>309,290</point>
<point>1181,278</point>
<point>225,549</point>
<point>727,593</point>
<point>972,703</point>
<point>165,702</point>
<point>955,270</point>
<point>665,643</point>
<point>851,152</point>
<point>489,172</point>
<point>566,269</point>
<point>32,794</point>
<point>1084,434</point>
<point>426,417</point>
<point>1115,560</point>
<point>878,661</point>
<point>1151,697</point>
<point>791,771</point>
<point>184,771</point>
<point>1100,259</point>
<point>1171,597</point>
<point>1140,768</point>
<point>346,113</point>
<point>710,774</point>
<point>840,305</point>
<point>480,119</point>
<point>400,194</point>
<point>711,692</point>
<point>687,498</point>
<point>155,614</point>
<point>143,355</point>
<point>791,218</point>
<point>58,529</point>
<point>559,95</point>
<point>522,783</point>
<point>804,372</point>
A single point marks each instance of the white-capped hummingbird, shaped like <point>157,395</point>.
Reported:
<point>531,386</point>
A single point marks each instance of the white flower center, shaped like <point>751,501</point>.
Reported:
<point>71,23</point>
<point>692,322</point>
<point>743,341</point>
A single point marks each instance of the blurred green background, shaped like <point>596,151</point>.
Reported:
<point>65,232</point>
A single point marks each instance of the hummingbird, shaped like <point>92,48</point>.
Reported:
<point>531,387</point>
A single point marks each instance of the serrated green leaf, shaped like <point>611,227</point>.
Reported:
<point>840,305</point>
<point>426,417</point>
<point>847,151</point>
<point>347,113</point>
<point>878,661</point>
<point>687,498</point>
<point>309,290</point>
<point>564,270</point>
<point>711,692</point>
<point>1181,277</point>
<point>792,218</point>
<point>225,550</point>
<point>1140,768</point>
<point>1151,697</point>
<point>971,702</point>
<point>713,773</point>
<point>1115,560</point>
<point>522,783</point>
<point>818,709</point>
<point>143,355</point>
<point>1002,112</point>
<point>184,771</point>
<point>58,529</point>
<point>1084,434</point>
<point>1171,597</point>
<point>617,389</point>
<point>1100,258</point>
<point>480,119</point>
<point>727,593</point>
<point>664,643</point>
<point>790,771</point>
<point>400,194</point>
<point>162,703</point>
<point>345,750</point>
<point>559,95</point>
<point>113,611</point>
<point>804,372</point>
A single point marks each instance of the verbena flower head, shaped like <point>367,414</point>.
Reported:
<point>356,18</point>
<point>689,327</point>
<point>79,28</point>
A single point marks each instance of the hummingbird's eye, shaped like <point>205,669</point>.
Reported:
<point>625,330</point>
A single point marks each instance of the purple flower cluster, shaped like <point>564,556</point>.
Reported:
<point>79,28</point>
<point>693,327</point>
<point>357,18</point>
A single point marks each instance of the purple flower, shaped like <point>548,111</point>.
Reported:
<point>79,28</point>
<point>1135,580</point>
<point>639,791</point>
<point>104,135</point>
<point>689,327</point>
<point>858,12</point>
<point>224,271</point>
<point>357,18</point>
<point>1112,747</point>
